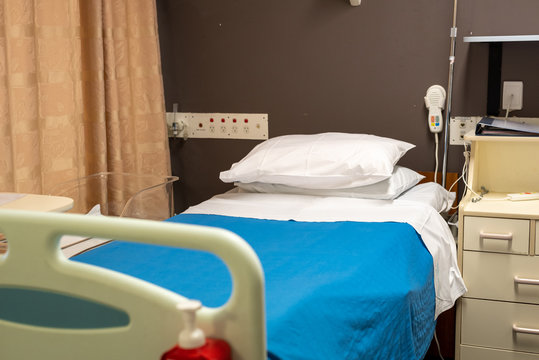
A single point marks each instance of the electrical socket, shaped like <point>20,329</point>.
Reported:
<point>460,126</point>
<point>221,125</point>
<point>512,95</point>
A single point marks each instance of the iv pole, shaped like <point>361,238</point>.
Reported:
<point>453,36</point>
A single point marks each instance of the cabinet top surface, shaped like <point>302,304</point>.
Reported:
<point>491,138</point>
<point>495,204</point>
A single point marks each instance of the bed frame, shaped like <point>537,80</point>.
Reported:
<point>131,319</point>
<point>35,277</point>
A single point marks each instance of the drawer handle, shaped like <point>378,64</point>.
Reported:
<point>519,280</point>
<point>518,329</point>
<point>484,235</point>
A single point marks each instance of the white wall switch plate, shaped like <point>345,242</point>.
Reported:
<point>461,125</point>
<point>220,125</point>
<point>512,95</point>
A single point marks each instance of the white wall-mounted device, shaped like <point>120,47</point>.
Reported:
<point>460,126</point>
<point>218,125</point>
<point>355,2</point>
<point>512,95</point>
<point>435,102</point>
<point>178,126</point>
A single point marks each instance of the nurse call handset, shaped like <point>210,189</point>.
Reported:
<point>434,101</point>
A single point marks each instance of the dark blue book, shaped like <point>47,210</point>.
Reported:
<point>503,127</point>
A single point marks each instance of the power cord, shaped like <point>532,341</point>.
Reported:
<point>466,154</point>
<point>509,107</point>
<point>438,345</point>
<point>436,157</point>
<point>467,187</point>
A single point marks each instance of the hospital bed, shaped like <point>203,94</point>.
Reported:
<point>309,277</point>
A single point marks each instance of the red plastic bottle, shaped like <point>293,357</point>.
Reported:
<point>192,344</point>
<point>213,349</point>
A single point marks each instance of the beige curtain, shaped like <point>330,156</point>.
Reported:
<point>80,91</point>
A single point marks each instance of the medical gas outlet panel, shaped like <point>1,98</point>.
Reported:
<point>217,125</point>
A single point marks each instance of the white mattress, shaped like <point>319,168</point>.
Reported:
<point>433,229</point>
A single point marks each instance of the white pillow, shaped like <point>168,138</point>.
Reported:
<point>401,180</point>
<point>320,161</point>
<point>432,194</point>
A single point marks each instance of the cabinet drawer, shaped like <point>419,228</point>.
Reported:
<point>476,353</point>
<point>501,277</point>
<point>491,324</point>
<point>496,235</point>
<point>536,238</point>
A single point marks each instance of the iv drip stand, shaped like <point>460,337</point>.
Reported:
<point>449,91</point>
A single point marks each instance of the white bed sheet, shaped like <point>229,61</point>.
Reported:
<point>433,229</point>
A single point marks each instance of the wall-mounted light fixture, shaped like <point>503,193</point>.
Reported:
<point>355,2</point>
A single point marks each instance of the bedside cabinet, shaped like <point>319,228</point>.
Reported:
<point>34,202</point>
<point>498,250</point>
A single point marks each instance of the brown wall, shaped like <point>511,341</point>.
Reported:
<point>323,65</point>
<point>519,61</point>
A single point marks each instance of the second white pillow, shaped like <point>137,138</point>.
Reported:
<point>401,180</point>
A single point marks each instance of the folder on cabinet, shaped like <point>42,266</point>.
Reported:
<point>504,127</point>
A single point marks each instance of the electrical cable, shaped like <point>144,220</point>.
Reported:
<point>465,175</point>
<point>467,187</point>
<point>509,107</point>
<point>436,157</point>
<point>466,154</point>
<point>438,345</point>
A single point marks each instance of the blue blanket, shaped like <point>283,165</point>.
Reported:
<point>334,290</point>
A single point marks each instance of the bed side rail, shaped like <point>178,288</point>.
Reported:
<point>35,267</point>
